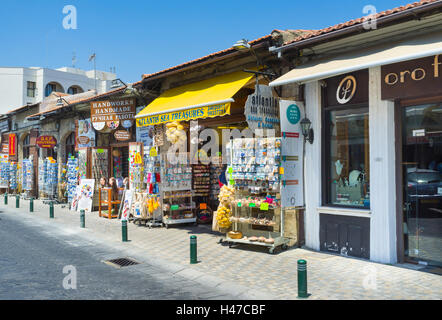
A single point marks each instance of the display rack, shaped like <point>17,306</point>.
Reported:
<point>72,178</point>
<point>152,181</point>
<point>28,175</point>
<point>178,205</point>
<point>257,216</point>
<point>13,173</point>
<point>136,167</point>
<point>51,178</point>
<point>99,167</point>
<point>4,173</point>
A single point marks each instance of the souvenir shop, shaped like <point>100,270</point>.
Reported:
<point>374,167</point>
<point>103,144</point>
<point>205,163</point>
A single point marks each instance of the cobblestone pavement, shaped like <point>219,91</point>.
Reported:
<point>237,268</point>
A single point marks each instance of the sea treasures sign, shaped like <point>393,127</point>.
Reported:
<point>117,110</point>
<point>412,79</point>
<point>186,115</point>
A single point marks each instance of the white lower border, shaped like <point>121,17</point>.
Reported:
<point>345,212</point>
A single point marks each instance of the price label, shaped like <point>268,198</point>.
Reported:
<point>203,206</point>
<point>174,207</point>
<point>264,206</point>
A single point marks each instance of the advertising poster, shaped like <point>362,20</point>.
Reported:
<point>292,152</point>
<point>86,195</point>
<point>85,134</point>
<point>127,204</point>
<point>75,199</point>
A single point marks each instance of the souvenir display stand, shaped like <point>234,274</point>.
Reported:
<point>83,163</point>
<point>4,174</point>
<point>254,174</point>
<point>51,178</point>
<point>99,167</point>
<point>28,177</point>
<point>178,205</point>
<point>136,168</point>
<point>13,177</point>
<point>72,178</point>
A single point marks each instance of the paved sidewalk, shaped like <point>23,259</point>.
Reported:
<point>248,270</point>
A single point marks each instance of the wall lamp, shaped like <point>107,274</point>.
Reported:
<point>243,45</point>
<point>307,131</point>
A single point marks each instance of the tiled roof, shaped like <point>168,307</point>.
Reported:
<point>353,22</point>
<point>77,99</point>
<point>207,57</point>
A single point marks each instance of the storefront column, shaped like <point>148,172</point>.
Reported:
<point>312,167</point>
<point>382,173</point>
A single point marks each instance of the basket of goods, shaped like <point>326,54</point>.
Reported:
<point>235,234</point>
<point>205,215</point>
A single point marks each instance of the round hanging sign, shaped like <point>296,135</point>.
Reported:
<point>98,125</point>
<point>113,124</point>
<point>127,124</point>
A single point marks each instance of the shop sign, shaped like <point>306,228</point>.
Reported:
<point>12,144</point>
<point>347,89</point>
<point>46,142</point>
<point>4,125</point>
<point>85,134</point>
<point>292,149</point>
<point>113,111</point>
<point>261,109</point>
<point>122,135</point>
<point>218,110</point>
<point>412,79</point>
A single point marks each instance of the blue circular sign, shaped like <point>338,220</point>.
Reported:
<point>293,114</point>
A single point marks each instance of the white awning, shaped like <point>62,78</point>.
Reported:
<point>421,47</point>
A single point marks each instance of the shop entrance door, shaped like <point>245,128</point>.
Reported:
<point>422,182</point>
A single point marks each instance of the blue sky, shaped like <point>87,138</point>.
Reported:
<point>144,36</point>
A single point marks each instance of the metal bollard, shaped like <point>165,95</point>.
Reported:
<point>82,219</point>
<point>124,230</point>
<point>6,198</point>
<point>31,205</point>
<point>193,250</point>
<point>302,279</point>
<point>17,201</point>
<point>51,210</point>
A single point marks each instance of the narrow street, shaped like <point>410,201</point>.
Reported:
<point>32,261</point>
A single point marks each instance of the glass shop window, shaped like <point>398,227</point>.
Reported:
<point>347,157</point>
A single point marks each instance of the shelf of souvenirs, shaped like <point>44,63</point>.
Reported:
<point>254,221</point>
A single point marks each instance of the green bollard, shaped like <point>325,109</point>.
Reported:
<point>124,230</point>
<point>17,201</point>
<point>51,210</point>
<point>6,198</point>
<point>302,279</point>
<point>193,250</point>
<point>31,205</point>
<point>82,219</point>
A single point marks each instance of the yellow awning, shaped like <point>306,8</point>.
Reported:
<point>205,99</point>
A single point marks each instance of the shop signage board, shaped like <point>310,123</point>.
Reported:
<point>261,109</point>
<point>292,150</point>
<point>46,142</point>
<point>12,144</point>
<point>127,205</point>
<point>411,79</point>
<point>347,89</point>
<point>145,135</point>
<point>85,134</point>
<point>86,195</point>
<point>113,112</point>
<point>218,110</point>
<point>122,135</point>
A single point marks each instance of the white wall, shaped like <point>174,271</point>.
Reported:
<point>11,89</point>
<point>312,167</point>
<point>382,173</point>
